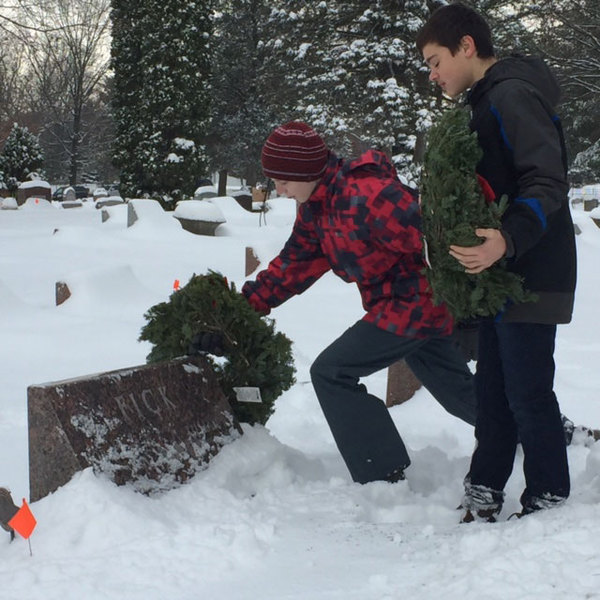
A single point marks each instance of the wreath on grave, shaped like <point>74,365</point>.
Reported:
<point>453,206</point>
<point>255,355</point>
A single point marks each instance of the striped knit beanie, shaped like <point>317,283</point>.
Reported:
<point>294,152</point>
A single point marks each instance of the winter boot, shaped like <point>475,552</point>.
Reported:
<point>480,503</point>
<point>483,515</point>
<point>521,514</point>
<point>396,475</point>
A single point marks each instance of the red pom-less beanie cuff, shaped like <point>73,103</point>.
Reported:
<point>294,152</point>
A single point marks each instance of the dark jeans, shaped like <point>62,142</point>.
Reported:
<point>514,386</point>
<point>360,422</point>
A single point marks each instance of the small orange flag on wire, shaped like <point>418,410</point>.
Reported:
<point>23,521</point>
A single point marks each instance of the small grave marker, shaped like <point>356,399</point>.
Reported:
<point>401,384</point>
<point>252,262</point>
<point>109,202</point>
<point>62,292</point>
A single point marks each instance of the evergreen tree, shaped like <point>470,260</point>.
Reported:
<point>348,67</point>
<point>585,168</point>
<point>161,55</point>
<point>351,70</point>
<point>567,33</point>
<point>241,118</point>
<point>20,157</point>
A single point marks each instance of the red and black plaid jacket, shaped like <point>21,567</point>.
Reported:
<point>362,223</point>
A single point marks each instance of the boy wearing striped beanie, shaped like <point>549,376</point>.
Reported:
<point>294,157</point>
<point>356,218</point>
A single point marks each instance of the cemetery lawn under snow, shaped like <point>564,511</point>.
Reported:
<point>275,516</point>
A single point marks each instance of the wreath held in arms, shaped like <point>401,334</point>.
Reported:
<point>453,206</point>
<point>255,354</point>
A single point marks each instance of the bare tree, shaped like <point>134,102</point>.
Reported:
<point>67,43</point>
<point>13,98</point>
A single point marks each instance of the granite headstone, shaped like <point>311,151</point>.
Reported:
<point>152,426</point>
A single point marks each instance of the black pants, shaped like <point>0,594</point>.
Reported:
<point>360,422</point>
<point>514,382</point>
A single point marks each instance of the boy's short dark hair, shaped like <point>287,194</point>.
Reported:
<point>448,24</point>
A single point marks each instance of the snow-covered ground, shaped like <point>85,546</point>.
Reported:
<point>275,516</point>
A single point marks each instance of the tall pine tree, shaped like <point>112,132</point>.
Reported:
<point>348,67</point>
<point>20,157</point>
<point>568,35</point>
<point>241,117</point>
<point>161,57</point>
<point>351,69</point>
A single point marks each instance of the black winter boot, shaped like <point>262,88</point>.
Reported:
<point>483,515</point>
<point>396,475</point>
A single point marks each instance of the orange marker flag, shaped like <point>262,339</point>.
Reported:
<point>176,284</point>
<point>23,522</point>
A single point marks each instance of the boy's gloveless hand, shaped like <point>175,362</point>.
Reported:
<point>478,258</point>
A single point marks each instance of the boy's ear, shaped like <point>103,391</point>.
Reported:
<point>468,46</point>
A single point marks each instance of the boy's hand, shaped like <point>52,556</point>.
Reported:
<point>478,258</point>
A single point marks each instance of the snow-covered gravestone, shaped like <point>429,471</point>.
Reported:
<point>37,188</point>
<point>109,201</point>
<point>205,191</point>
<point>151,427</point>
<point>8,203</point>
<point>69,194</point>
<point>99,192</point>
<point>595,215</point>
<point>201,217</point>
<point>139,208</point>
<point>147,211</point>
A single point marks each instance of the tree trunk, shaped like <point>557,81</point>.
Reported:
<point>222,189</point>
<point>75,139</point>
<point>419,151</point>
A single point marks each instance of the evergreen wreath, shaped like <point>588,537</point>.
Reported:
<point>453,206</point>
<point>256,355</point>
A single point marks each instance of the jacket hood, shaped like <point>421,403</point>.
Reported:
<point>371,162</point>
<point>530,69</point>
<point>374,161</point>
